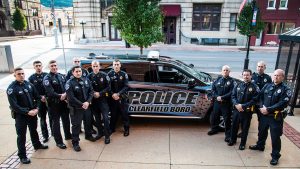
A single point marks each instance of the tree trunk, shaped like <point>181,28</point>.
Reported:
<point>141,50</point>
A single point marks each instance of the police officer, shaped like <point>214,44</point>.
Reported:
<point>274,97</point>
<point>24,99</point>
<point>37,80</point>
<point>76,62</point>
<point>56,97</point>
<point>118,101</point>
<point>80,93</point>
<point>221,92</point>
<point>101,86</point>
<point>244,97</point>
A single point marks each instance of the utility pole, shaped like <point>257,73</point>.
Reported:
<point>54,23</point>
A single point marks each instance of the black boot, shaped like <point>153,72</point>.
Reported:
<point>126,131</point>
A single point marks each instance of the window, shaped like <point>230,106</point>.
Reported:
<point>18,3</point>
<point>103,29</point>
<point>271,4</point>
<point>169,74</point>
<point>1,4</point>
<point>34,12</point>
<point>206,17</point>
<point>279,27</point>
<point>232,22</point>
<point>283,4</point>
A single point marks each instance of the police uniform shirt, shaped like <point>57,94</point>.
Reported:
<point>223,87</point>
<point>22,97</point>
<point>261,80</point>
<point>275,97</point>
<point>70,75</point>
<point>100,82</point>
<point>54,84</point>
<point>245,94</point>
<point>119,82</point>
<point>79,90</point>
<point>37,81</point>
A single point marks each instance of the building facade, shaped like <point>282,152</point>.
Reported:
<point>279,16</point>
<point>30,8</point>
<point>185,21</point>
<point>5,19</point>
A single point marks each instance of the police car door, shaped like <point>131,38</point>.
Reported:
<point>173,96</point>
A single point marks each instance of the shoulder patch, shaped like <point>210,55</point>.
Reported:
<point>107,78</point>
<point>10,91</point>
<point>46,82</point>
<point>126,76</point>
<point>67,86</point>
<point>289,93</point>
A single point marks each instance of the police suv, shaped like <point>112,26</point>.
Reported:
<point>160,86</point>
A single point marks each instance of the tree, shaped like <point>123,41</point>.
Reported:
<point>139,21</point>
<point>245,19</point>
<point>246,27</point>
<point>19,21</point>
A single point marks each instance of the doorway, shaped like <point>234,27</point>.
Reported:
<point>169,30</point>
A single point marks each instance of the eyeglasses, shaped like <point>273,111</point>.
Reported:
<point>76,61</point>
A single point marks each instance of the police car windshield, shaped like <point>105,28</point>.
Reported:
<point>200,75</point>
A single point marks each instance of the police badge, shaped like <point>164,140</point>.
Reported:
<point>250,89</point>
<point>228,83</point>
<point>101,79</point>
<point>121,77</point>
<point>279,91</point>
<point>265,80</point>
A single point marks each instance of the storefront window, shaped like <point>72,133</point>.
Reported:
<point>279,27</point>
<point>206,17</point>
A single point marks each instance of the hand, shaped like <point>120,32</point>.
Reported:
<point>33,112</point>
<point>96,94</point>
<point>43,99</point>
<point>85,105</point>
<point>63,96</point>
<point>116,96</point>
<point>219,98</point>
<point>264,110</point>
<point>239,107</point>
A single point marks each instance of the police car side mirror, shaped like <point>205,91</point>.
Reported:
<point>191,83</point>
<point>191,65</point>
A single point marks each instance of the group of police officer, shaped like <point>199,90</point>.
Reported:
<point>236,102</point>
<point>74,98</point>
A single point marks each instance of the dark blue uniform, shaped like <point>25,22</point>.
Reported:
<point>54,85</point>
<point>79,90</point>
<point>222,87</point>
<point>275,98</point>
<point>245,94</point>
<point>101,84</point>
<point>261,79</point>
<point>22,98</point>
<point>37,81</point>
<point>119,84</point>
<point>70,75</point>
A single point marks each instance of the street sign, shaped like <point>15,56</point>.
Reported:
<point>254,17</point>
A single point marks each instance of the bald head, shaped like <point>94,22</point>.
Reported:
<point>225,71</point>
<point>278,76</point>
<point>76,61</point>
